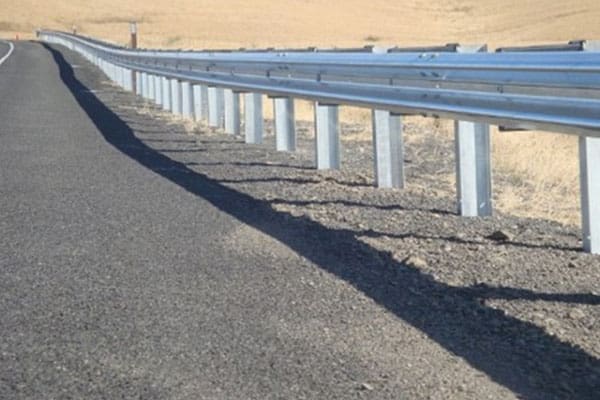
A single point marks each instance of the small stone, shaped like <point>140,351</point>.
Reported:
<point>576,314</point>
<point>500,236</point>
<point>551,322</point>
<point>366,386</point>
<point>415,262</point>
<point>447,248</point>
<point>571,264</point>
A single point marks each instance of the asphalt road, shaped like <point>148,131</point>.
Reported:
<point>4,47</point>
<point>117,283</point>
<point>134,263</point>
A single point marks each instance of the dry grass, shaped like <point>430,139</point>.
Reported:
<point>543,166</point>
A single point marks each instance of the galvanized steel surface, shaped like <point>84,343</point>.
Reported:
<point>546,90</point>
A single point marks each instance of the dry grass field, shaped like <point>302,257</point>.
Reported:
<point>544,166</point>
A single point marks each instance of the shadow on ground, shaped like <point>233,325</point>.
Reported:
<point>516,354</point>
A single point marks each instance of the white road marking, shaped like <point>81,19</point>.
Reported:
<point>11,47</point>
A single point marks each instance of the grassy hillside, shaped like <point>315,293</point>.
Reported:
<point>544,165</point>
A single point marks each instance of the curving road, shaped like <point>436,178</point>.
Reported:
<point>128,271</point>
<point>117,283</point>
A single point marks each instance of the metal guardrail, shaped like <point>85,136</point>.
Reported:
<point>553,88</point>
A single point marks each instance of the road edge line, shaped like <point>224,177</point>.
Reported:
<point>10,50</point>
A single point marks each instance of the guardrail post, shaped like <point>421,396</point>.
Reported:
<point>327,136</point>
<point>197,99</point>
<point>285,123</point>
<point>138,84</point>
<point>201,102</point>
<point>147,87</point>
<point>175,97</point>
<point>473,163</point>
<point>150,87</point>
<point>166,92</point>
<point>144,85</point>
<point>119,76</point>
<point>473,170</point>
<point>127,82</point>
<point>187,106</point>
<point>123,77</point>
<point>589,175</point>
<point>389,149</point>
<point>215,107</point>
<point>158,88</point>
<point>232,112</point>
<point>253,116</point>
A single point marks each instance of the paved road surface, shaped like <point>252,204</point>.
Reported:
<point>124,275</point>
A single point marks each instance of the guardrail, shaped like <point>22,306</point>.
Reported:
<point>552,88</point>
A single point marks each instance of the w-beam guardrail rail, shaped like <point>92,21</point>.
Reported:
<point>550,88</point>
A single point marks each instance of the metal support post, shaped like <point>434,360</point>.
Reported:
<point>150,87</point>
<point>124,76</point>
<point>285,124</point>
<point>196,95</point>
<point>158,88</point>
<point>147,85</point>
<point>175,97</point>
<point>187,102</point>
<point>166,92</point>
<point>200,93</point>
<point>589,175</point>
<point>144,85</point>
<point>473,162</point>
<point>389,149</point>
<point>138,84</point>
<point>473,169</point>
<point>127,83</point>
<point>232,112</point>
<point>119,76</point>
<point>327,136</point>
<point>253,116</point>
<point>215,107</point>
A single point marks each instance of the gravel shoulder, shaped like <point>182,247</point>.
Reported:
<point>160,261</point>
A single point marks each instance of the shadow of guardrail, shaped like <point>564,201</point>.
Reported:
<point>455,317</point>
